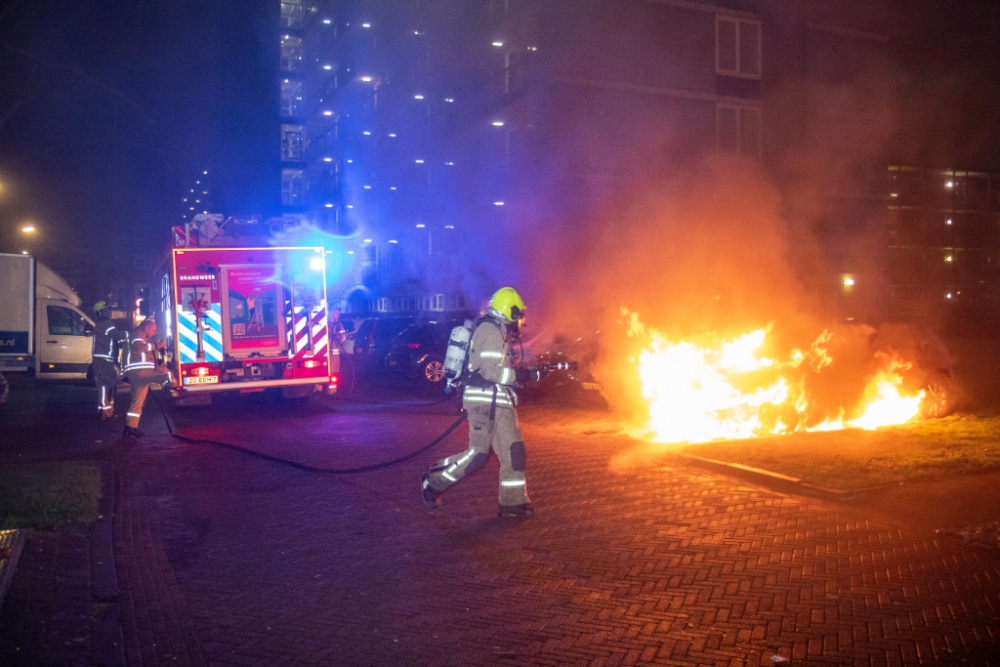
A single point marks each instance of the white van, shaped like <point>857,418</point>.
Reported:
<point>42,328</point>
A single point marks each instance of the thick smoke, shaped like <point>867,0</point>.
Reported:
<point>709,255</point>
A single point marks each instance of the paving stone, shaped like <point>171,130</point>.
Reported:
<point>242,561</point>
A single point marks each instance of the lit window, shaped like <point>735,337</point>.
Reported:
<point>291,14</point>
<point>291,187</point>
<point>291,54</point>
<point>291,98</point>
<point>291,142</point>
<point>737,44</point>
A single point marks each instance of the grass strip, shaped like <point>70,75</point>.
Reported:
<point>49,495</point>
<point>855,459</point>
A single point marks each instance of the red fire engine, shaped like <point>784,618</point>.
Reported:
<point>244,317</point>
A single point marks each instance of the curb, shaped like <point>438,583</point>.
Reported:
<point>107,646</point>
<point>777,481</point>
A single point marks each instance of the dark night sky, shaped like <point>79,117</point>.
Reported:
<point>107,109</point>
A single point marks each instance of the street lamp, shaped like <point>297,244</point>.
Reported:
<point>28,229</point>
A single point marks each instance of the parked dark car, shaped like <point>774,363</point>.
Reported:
<point>372,339</point>
<point>418,350</point>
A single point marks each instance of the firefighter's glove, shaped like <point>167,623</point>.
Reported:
<point>526,375</point>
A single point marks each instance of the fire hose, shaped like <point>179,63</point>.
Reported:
<point>543,368</point>
<point>303,466</point>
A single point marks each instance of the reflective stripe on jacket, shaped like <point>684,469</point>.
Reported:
<point>105,335</point>
<point>491,366</point>
<point>140,353</point>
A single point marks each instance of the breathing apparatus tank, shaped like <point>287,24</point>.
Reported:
<point>456,354</point>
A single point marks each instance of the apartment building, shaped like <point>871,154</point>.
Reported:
<point>416,128</point>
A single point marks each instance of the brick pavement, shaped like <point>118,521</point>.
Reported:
<point>61,608</point>
<point>46,614</point>
<point>230,560</point>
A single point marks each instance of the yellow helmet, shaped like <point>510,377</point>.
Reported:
<point>508,303</point>
<point>99,306</point>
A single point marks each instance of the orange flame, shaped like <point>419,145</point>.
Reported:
<point>726,389</point>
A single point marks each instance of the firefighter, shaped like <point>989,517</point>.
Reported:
<point>490,402</point>
<point>142,369</point>
<point>338,334</point>
<point>105,364</point>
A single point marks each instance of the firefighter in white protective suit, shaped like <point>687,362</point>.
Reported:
<point>141,368</point>
<point>105,364</point>
<point>490,401</point>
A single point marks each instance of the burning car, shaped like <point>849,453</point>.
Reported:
<point>712,387</point>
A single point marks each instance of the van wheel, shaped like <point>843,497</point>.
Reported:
<point>432,372</point>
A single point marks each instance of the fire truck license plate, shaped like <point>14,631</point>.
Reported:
<point>206,379</point>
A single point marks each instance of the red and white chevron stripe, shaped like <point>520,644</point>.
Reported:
<point>320,333</point>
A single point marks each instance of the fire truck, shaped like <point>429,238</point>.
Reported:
<point>240,314</point>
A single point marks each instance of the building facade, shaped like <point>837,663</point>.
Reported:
<point>427,135</point>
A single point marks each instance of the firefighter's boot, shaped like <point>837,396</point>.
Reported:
<point>429,494</point>
<point>524,511</point>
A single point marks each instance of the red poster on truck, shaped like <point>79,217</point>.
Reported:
<point>253,295</point>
